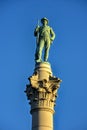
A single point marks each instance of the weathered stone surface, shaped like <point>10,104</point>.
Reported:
<point>41,93</point>
<point>42,90</point>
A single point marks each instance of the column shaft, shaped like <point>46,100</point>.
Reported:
<point>42,93</point>
<point>42,120</point>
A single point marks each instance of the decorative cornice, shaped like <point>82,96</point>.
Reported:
<point>43,87</point>
<point>42,93</point>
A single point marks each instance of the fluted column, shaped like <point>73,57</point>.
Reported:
<point>42,93</point>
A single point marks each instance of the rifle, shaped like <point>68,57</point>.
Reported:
<point>37,42</point>
<point>37,38</point>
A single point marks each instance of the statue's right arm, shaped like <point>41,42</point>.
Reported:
<point>36,31</point>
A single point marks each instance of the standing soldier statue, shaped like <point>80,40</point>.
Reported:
<point>45,36</point>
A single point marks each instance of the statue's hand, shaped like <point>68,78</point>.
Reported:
<point>51,40</point>
<point>37,27</point>
<point>36,30</point>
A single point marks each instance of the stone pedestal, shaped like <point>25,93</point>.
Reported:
<point>42,93</point>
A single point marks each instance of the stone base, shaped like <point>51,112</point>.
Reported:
<point>42,93</point>
<point>43,70</point>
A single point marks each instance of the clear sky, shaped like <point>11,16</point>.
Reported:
<point>68,58</point>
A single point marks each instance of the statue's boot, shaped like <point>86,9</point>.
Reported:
<point>39,60</point>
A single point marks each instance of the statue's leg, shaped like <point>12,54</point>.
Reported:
<point>47,47</point>
<point>41,46</point>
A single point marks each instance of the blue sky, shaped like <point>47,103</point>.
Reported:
<point>68,58</point>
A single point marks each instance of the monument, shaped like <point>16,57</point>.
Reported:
<point>43,86</point>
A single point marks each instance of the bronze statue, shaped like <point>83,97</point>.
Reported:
<point>45,36</point>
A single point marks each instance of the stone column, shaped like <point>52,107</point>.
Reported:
<point>42,93</point>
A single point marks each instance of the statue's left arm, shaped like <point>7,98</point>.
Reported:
<point>52,34</point>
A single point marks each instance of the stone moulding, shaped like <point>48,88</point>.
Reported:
<point>42,92</point>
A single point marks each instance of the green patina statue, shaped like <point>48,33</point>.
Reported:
<point>45,36</point>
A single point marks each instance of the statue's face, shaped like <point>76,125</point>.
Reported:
<point>45,22</point>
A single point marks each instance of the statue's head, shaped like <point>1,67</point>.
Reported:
<point>44,19</point>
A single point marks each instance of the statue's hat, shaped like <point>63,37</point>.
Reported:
<point>44,19</point>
